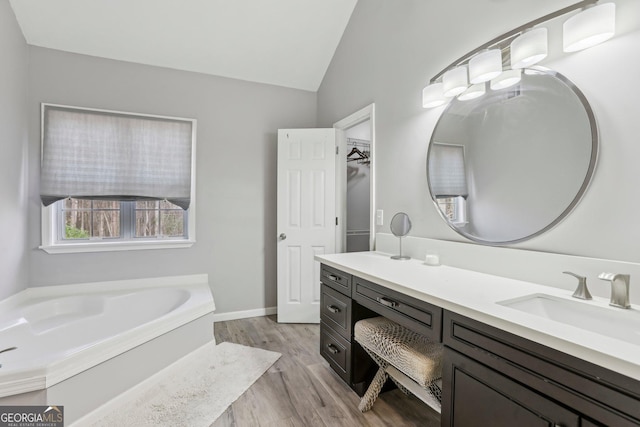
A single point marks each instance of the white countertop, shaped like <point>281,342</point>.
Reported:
<point>475,295</point>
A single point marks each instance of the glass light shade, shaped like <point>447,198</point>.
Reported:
<point>529,48</point>
<point>455,81</point>
<point>589,27</point>
<point>506,79</point>
<point>485,66</point>
<point>474,91</point>
<point>433,96</point>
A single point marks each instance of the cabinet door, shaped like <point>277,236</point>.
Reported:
<point>479,396</point>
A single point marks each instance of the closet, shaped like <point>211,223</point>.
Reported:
<point>358,158</point>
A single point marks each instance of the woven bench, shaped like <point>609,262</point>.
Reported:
<point>412,361</point>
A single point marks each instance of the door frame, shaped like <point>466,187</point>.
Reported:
<point>366,113</point>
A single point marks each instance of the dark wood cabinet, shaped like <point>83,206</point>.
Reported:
<point>338,315</point>
<point>514,367</point>
<point>478,396</point>
<point>490,377</point>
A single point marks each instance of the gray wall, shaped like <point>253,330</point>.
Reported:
<point>13,149</point>
<point>389,52</point>
<point>236,171</point>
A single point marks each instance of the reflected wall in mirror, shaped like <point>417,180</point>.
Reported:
<point>513,163</point>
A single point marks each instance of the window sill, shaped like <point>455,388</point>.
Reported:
<point>69,248</point>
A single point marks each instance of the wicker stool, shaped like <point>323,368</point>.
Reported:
<point>412,361</point>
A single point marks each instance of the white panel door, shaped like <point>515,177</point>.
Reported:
<point>306,219</point>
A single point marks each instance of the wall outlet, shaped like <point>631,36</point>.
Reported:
<point>379,217</point>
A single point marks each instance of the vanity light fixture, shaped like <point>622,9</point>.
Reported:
<point>507,79</point>
<point>455,81</point>
<point>525,45</point>
<point>590,27</point>
<point>433,96</point>
<point>529,48</point>
<point>485,66</point>
<point>473,92</point>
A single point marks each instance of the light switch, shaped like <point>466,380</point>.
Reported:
<point>379,217</point>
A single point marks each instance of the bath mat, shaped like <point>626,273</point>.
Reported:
<point>194,391</point>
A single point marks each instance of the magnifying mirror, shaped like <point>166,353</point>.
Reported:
<point>400,227</point>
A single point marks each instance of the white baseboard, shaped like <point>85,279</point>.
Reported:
<point>234,315</point>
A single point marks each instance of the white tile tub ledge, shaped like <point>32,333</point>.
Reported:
<point>80,345</point>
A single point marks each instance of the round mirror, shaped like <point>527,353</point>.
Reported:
<point>400,227</point>
<point>512,163</point>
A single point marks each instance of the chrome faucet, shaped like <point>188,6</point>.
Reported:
<point>619,289</point>
<point>582,291</point>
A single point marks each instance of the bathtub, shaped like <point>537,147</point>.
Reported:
<point>51,334</point>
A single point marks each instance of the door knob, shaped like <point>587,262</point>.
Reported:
<point>282,236</point>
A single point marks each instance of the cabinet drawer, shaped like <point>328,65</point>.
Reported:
<point>336,350</point>
<point>407,311</point>
<point>335,311</point>
<point>336,279</point>
<point>602,395</point>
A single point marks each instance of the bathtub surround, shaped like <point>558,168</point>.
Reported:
<point>194,391</point>
<point>70,338</point>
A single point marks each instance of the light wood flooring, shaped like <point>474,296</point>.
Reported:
<point>300,389</point>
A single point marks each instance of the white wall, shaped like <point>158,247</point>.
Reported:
<point>236,171</point>
<point>13,153</point>
<point>389,52</point>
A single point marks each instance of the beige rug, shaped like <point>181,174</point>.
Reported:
<point>192,392</point>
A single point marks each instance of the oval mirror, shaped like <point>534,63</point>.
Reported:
<point>400,227</point>
<point>511,164</point>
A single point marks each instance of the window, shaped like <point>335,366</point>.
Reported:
<point>116,181</point>
<point>102,219</point>
<point>448,181</point>
<point>454,209</point>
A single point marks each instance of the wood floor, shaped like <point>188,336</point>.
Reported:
<point>300,389</point>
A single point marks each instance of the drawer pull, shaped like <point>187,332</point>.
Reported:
<point>387,302</point>
<point>333,277</point>
<point>333,309</point>
<point>333,349</point>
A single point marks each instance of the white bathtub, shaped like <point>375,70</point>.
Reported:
<point>61,331</point>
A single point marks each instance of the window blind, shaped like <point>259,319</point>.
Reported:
<point>114,156</point>
<point>447,175</point>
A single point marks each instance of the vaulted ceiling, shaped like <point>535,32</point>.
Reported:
<point>282,42</point>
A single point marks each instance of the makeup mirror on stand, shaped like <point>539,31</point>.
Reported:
<point>400,227</point>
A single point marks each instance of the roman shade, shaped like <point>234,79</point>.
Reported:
<point>114,156</point>
<point>447,176</point>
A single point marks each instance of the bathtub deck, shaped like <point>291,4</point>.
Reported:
<point>300,389</point>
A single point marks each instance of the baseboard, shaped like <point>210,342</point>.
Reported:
<point>245,314</point>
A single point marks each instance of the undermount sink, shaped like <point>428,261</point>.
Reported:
<point>622,324</point>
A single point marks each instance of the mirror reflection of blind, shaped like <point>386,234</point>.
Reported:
<point>115,156</point>
<point>446,171</point>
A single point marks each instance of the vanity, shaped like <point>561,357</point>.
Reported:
<point>502,365</point>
